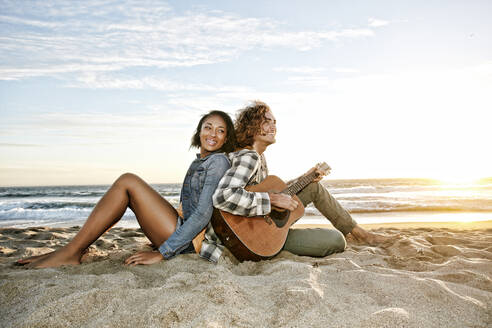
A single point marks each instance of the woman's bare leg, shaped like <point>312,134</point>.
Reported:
<point>156,216</point>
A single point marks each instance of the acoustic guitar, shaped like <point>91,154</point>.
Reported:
<point>262,237</point>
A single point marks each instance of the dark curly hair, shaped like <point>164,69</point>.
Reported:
<point>230,142</point>
<point>248,122</point>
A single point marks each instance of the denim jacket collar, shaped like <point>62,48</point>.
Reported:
<point>204,158</point>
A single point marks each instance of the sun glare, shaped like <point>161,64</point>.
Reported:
<point>459,180</point>
<point>466,219</point>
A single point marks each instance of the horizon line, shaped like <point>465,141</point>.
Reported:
<point>475,180</point>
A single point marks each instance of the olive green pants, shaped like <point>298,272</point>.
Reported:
<point>315,242</point>
<point>321,242</point>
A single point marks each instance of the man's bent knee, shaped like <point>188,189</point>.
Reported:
<point>313,187</point>
<point>315,242</point>
<point>310,193</point>
<point>338,241</point>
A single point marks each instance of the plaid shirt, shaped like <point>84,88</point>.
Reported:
<point>247,168</point>
<point>212,247</point>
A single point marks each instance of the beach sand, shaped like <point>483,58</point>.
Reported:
<point>432,275</point>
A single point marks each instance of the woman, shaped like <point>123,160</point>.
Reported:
<point>158,219</point>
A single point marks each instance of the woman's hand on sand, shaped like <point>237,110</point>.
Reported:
<point>144,258</point>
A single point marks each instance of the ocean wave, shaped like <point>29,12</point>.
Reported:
<point>96,194</point>
<point>74,203</point>
<point>76,191</point>
<point>49,193</point>
<point>67,214</point>
<point>380,207</point>
<point>55,205</point>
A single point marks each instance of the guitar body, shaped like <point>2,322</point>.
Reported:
<point>261,237</point>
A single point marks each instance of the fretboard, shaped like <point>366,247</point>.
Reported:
<point>301,182</point>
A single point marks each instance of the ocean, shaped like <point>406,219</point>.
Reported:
<point>369,201</point>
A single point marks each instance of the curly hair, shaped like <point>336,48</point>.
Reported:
<point>248,122</point>
<point>230,143</point>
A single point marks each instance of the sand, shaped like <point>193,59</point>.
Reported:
<point>432,275</point>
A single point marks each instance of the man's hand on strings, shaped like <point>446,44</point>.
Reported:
<point>283,201</point>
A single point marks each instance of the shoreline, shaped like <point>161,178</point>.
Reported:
<point>374,220</point>
<point>468,225</point>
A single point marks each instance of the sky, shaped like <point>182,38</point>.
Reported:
<point>377,89</point>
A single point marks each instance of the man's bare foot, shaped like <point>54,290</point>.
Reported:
<point>367,237</point>
<point>55,259</point>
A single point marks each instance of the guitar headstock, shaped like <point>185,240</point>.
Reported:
<point>323,167</point>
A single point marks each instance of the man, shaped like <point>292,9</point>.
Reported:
<point>255,130</point>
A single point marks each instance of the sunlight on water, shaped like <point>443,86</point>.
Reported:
<point>479,189</point>
<point>457,180</point>
<point>401,217</point>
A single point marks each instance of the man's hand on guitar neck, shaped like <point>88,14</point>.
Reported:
<point>320,173</point>
<point>283,201</point>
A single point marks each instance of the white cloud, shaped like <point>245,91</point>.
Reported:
<point>28,22</point>
<point>345,70</point>
<point>15,145</point>
<point>53,38</point>
<point>52,70</point>
<point>106,81</point>
<point>97,127</point>
<point>300,69</point>
<point>374,22</point>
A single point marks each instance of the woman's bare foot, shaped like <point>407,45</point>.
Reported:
<point>55,259</point>
<point>31,259</point>
<point>367,237</point>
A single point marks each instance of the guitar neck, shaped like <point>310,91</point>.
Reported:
<point>301,182</point>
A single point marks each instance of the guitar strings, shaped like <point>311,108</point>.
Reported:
<point>300,183</point>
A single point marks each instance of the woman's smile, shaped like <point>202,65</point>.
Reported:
<point>212,135</point>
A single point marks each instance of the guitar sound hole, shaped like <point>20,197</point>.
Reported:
<point>280,218</point>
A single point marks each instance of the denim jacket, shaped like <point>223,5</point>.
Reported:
<point>199,185</point>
